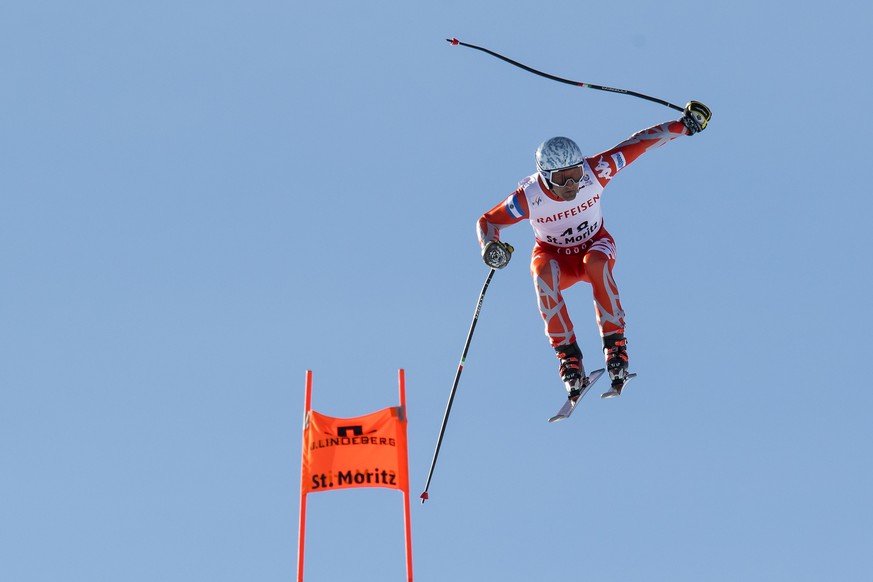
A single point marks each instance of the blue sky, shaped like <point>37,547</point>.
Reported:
<point>199,201</point>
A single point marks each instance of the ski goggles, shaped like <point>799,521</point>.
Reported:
<point>563,176</point>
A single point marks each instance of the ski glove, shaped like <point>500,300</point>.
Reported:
<point>496,254</point>
<point>696,116</point>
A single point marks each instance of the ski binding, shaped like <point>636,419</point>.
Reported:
<point>615,389</point>
<point>573,399</point>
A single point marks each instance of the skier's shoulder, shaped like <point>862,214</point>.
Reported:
<point>527,182</point>
<point>606,164</point>
<point>530,187</point>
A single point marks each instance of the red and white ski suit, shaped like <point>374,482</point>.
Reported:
<point>569,234</point>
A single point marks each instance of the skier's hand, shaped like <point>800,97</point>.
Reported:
<point>496,254</point>
<point>696,116</point>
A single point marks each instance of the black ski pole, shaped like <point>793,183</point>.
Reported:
<point>424,495</point>
<point>455,41</point>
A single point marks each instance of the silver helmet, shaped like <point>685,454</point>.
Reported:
<point>557,153</point>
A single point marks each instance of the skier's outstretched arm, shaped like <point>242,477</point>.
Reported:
<point>607,164</point>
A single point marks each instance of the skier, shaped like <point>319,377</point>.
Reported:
<point>562,202</point>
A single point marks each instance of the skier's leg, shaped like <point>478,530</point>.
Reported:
<point>548,281</point>
<point>599,262</point>
<point>546,272</point>
<point>607,305</point>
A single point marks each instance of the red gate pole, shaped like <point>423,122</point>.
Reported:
<point>407,521</point>
<point>302,535</point>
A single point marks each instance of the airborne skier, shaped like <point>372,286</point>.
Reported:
<point>562,202</point>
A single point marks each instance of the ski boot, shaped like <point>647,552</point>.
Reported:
<point>572,371</point>
<point>615,352</point>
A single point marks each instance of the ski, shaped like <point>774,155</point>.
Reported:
<point>616,390</point>
<point>570,405</point>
